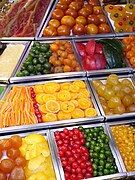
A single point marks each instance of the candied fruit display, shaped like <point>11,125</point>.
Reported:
<point>48,102</point>
<point>85,152</point>
<point>76,18</point>
<point>63,101</point>
<point>122,17</point>
<point>129,49</point>
<point>117,96</point>
<point>25,158</point>
<point>125,139</point>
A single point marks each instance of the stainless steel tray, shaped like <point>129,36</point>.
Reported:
<point>108,126</point>
<point>120,175</point>
<point>127,69</point>
<point>26,44</point>
<point>40,37</point>
<point>47,125</point>
<point>38,30</point>
<point>46,135</point>
<point>14,79</point>
<point>115,116</point>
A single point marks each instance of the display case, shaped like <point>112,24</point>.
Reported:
<point>28,88</point>
<point>121,126</point>
<point>11,55</point>
<point>97,58</point>
<point>62,33</point>
<point>45,151</point>
<point>119,175</point>
<point>50,74</point>
<point>115,114</point>
<point>20,20</point>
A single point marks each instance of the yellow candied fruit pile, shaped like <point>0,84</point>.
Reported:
<point>63,101</point>
<point>125,140</point>
<point>39,164</point>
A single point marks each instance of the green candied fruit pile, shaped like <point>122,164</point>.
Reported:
<point>97,142</point>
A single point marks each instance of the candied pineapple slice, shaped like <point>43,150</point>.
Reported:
<point>34,138</point>
<point>34,163</point>
<point>38,176</point>
<point>23,148</point>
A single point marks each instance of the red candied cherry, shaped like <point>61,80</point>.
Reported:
<point>74,165</point>
<point>83,165</point>
<point>57,133</point>
<point>88,175</point>
<point>73,177</point>
<point>68,168</point>
<point>67,175</point>
<point>78,170</point>
<point>66,131</point>
<point>111,7</point>
<point>80,176</point>
<point>64,163</point>
<point>73,171</point>
<point>71,159</point>
<point>57,137</point>
<point>89,170</point>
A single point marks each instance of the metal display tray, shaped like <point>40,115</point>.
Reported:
<point>124,70</point>
<point>38,30</point>
<point>115,117</point>
<point>40,37</point>
<point>108,126</point>
<point>26,44</point>
<point>14,79</point>
<point>61,123</point>
<point>46,135</point>
<point>117,34</point>
<point>4,89</point>
<point>120,175</point>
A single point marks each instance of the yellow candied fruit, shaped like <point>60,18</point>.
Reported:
<point>125,140</point>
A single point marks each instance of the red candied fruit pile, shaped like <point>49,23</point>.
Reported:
<point>73,154</point>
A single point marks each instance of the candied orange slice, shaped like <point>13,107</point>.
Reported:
<point>79,83</point>
<point>74,88</point>
<point>38,88</point>
<point>43,109</point>
<point>52,106</point>
<point>49,117</point>
<point>75,102</point>
<point>67,106</point>
<point>85,91</point>
<point>64,95</point>
<point>65,86</point>
<point>47,97</point>
<point>63,116</point>
<point>84,103</point>
<point>90,112</point>
<point>81,95</point>
<point>77,113</point>
<point>51,87</point>
<point>73,95</point>
<point>39,98</point>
